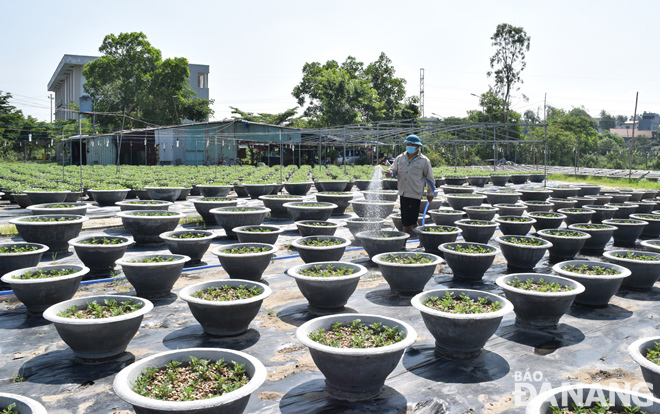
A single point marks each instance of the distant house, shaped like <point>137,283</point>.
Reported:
<point>646,126</point>
<point>68,80</point>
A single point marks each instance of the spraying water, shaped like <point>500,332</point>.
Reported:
<point>376,183</point>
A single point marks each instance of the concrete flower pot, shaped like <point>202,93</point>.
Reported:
<point>240,190</point>
<point>455,180</point>
<point>248,266</point>
<point>649,194</point>
<point>164,193</point>
<point>269,237</point>
<point>233,402</point>
<point>362,185</point>
<point>635,195</point>
<point>600,236</point>
<point>101,338</point>
<point>457,189</point>
<point>340,199</point>
<point>588,190</point>
<point>316,228</point>
<point>398,224</point>
<point>144,205</point>
<point>510,209</point>
<point>359,224</point>
<point>521,256</point>
<point>406,279</point>
<point>153,279</point>
<point>445,217</point>
<point>431,237</point>
<point>183,195</point>
<point>142,194</point>
<point>502,197</point>
<point>627,231</point>
<point>205,205</point>
<point>326,294</point>
<point>534,194</point>
<point>276,188</point>
<point>643,207</point>
<point>386,195</point>
<point>46,197</point>
<point>297,189</point>
<point>564,191</point>
<point>19,260</point>
<point>644,272</point>
<point>54,234</point>
<point>536,206</point>
<point>468,266</point>
<point>332,186</point>
<point>601,212</point>
<point>519,178</point>
<point>478,180</point>
<point>460,201</point>
<point>565,246</point>
<point>313,254</point>
<point>434,204</point>
<point>460,335</point>
<point>22,200</point>
<point>355,373</point>
<point>601,200</point>
<point>193,247</point>
<point>547,220</point>
<point>623,210</point>
<point>515,225</point>
<point>310,210</point>
<point>38,294</point>
<point>537,178</point>
<point>108,197</point>
<point>539,310</point>
<point>499,180</point>
<point>230,217</point>
<point>481,213</point>
<point>78,209</point>
<point>257,190</point>
<point>372,208</point>
<point>618,197</point>
<point>224,317</point>
<point>599,289</point>
<point>100,258</point>
<point>652,229</point>
<point>476,231</point>
<point>276,204</point>
<point>376,242</point>
<point>146,226</point>
<point>581,201</point>
<point>390,184</point>
<point>208,190</point>
<point>650,371</point>
<point>649,245</point>
<point>560,203</point>
<point>23,405</point>
<point>576,215</point>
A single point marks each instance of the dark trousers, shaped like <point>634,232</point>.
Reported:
<point>409,210</point>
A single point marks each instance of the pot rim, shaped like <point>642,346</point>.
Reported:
<point>304,224</point>
<point>127,261</point>
<point>494,252</point>
<point>47,192</point>
<point>165,188</point>
<point>368,235</point>
<point>213,185</point>
<point>500,221</point>
<point>76,241</point>
<point>377,202</point>
<point>578,288</point>
<point>368,220</point>
<point>297,245</point>
<point>109,191</point>
<point>609,228</point>
<point>302,182</point>
<point>547,244</point>
<point>52,316</point>
<point>620,222</point>
<point>42,249</point>
<point>131,214</point>
<point>447,212</point>
<point>597,207</point>
<point>327,194</point>
<point>259,185</point>
<point>624,272</point>
<point>19,220</point>
<point>495,192</point>
<point>35,406</point>
<point>419,229</point>
<point>465,195</point>
<point>480,208</point>
<point>250,210</point>
<point>538,203</point>
<point>544,215</point>
<point>294,271</point>
<point>609,255</point>
<point>636,215</point>
<point>42,206</point>
<point>548,233</point>
<point>241,229</point>
<point>416,302</point>
<point>281,197</point>
<point>437,260</point>
<point>9,277</point>
<point>218,250</point>
<point>636,354</point>
<point>464,222</point>
<point>584,211</point>
<point>209,235</point>
<point>186,293</point>
<point>645,243</point>
<point>141,203</point>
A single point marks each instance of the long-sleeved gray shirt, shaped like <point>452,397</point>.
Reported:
<point>412,175</point>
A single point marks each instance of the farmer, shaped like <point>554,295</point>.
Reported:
<point>413,171</point>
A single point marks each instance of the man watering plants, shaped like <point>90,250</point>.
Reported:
<point>413,172</point>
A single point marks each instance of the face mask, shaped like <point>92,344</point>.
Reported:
<point>411,149</point>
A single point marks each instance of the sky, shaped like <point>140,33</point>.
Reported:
<point>589,54</point>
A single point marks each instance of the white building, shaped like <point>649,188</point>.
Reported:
<point>68,80</point>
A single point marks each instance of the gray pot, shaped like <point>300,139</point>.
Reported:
<point>241,191</point>
<point>144,205</point>
<point>13,261</point>
<point>22,200</point>
<point>481,213</point>
<point>537,178</point>
<point>333,186</point>
<point>230,403</point>
<point>153,280</point>
<point>534,206</point>
<point>562,203</point>
<point>407,279</point>
<point>142,194</point>
<point>588,190</point>
<point>38,294</point>
<point>644,272</point>
<point>601,200</point>
<point>547,220</point>
<point>563,247</point>
<point>581,201</point>
<point>459,202</point>
<point>564,192</point>
<point>340,200</point>
<point>355,373</point>
<point>652,229</point>
<point>313,254</point>
<point>649,245</point>
<point>191,247</point>
<point>435,204</point>
<point>362,185</point>
<point>534,194</point>
<point>510,209</point>
<point>298,211</point>
<point>456,189</point>
<point>46,197</point>
<point>576,215</point>
<point>600,236</point>
<point>108,197</point>
<point>245,236</point>
<point>468,266</point>
<point>478,180</point>
<point>306,228</point>
<point>97,339</point>
<point>499,180</point>
<point>398,224</point>
<point>183,195</point>
<point>208,190</point>
<point>326,294</point>
<point>298,189</point>
<point>249,266</point>
<point>460,335</point>
<point>627,231</point>
<point>515,228</point>
<point>373,244</point>
<point>224,318</point>
<point>276,189</point>
<point>618,197</point>
<point>55,235</point>
<point>204,207</point>
<point>519,178</point>
<point>650,371</point>
<point>373,208</point>
<point>100,258</point>
<point>623,210</point>
<point>496,197</point>
<point>643,207</point>
<point>276,204</point>
<point>23,405</point>
<point>257,190</point>
<point>455,180</point>
<point>539,310</point>
<point>387,195</point>
<point>635,195</point>
<point>601,212</point>
<point>650,194</point>
<point>248,216</point>
<point>599,289</point>
<point>164,193</point>
<point>430,240</point>
<point>445,217</point>
<point>476,233</point>
<point>359,224</point>
<point>390,184</point>
<point>520,256</point>
<point>78,209</point>
<point>74,197</point>
<point>146,230</point>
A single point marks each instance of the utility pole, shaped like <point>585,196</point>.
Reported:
<point>421,92</point>
<point>632,140</point>
<point>50,96</point>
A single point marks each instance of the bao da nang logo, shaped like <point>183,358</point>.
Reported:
<point>529,384</point>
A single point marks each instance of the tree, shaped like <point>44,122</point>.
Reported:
<point>508,62</point>
<point>283,118</point>
<point>607,121</point>
<point>621,120</point>
<point>131,77</point>
<point>390,89</point>
<point>10,117</point>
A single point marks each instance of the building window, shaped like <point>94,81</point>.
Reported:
<point>202,80</point>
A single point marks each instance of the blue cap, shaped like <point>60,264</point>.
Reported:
<point>413,140</point>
